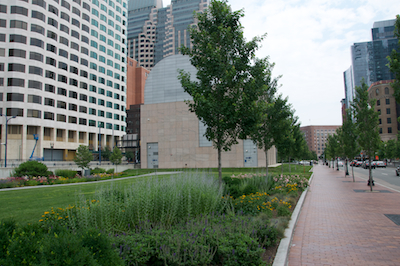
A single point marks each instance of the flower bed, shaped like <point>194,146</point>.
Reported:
<point>181,220</point>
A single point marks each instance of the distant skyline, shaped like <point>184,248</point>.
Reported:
<point>309,42</point>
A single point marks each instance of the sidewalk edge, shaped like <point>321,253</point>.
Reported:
<point>282,253</point>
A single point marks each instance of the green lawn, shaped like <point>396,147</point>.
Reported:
<point>27,205</point>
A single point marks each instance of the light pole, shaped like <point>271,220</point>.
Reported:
<point>100,143</point>
<point>51,146</point>
<point>5,144</point>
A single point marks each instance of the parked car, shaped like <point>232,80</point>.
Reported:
<point>358,163</point>
<point>340,163</point>
<point>365,165</point>
<point>398,170</point>
<point>380,164</point>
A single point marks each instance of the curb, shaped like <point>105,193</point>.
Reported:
<point>281,257</point>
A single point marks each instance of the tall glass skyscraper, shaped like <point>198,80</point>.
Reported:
<point>155,32</point>
<point>62,75</point>
<point>369,60</point>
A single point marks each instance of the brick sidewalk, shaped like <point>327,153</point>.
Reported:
<point>338,226</point>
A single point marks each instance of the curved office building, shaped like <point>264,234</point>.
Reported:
<point>173,137</point>
<point>62,75</point>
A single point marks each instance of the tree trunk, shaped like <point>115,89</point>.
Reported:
<point>266,162</point>
<point>352,170</point>
<point>219,167</point>
<point>282,166</point>
<point>290,169</point>
<point>370,173</point>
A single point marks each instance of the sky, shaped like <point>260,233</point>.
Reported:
<point>309,41</point>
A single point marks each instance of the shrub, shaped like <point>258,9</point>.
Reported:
<point>30,169</point>
<point>110,171</point>
<point>98,170</point>
<point>36,244</point>
<point>66,173</point>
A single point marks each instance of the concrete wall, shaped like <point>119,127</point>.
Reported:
<point>176,130</point>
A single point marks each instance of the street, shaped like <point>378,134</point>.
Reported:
<point>384,176</point>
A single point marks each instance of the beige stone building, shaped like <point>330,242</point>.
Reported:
<point>317,137</point>
<point>172,137</point>
<point>386,107</point>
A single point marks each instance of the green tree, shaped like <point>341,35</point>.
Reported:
<point>130,156</point>
<point>106,153</point>
<point>332,149</point>
<point>83,156</point>
<point>367,122</point>
<point>116,157</point>
<point>349,138</point>
<point>390,147</point>
<point>230,79</point>
<point>268,132</point>
<point>394,62</point>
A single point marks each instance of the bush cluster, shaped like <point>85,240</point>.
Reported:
<point>66,173</point>
<point>34,244</point>
<point>31,169</point>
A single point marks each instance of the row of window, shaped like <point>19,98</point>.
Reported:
<point>387,101</point>
<point>52,48</point>
<point>18,97</point>
<point>60,118</point>
<point>388,120</point>
<point>387,111</point>
<point>389,130</point>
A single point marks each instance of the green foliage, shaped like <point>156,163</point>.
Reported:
<point>130,156</point>
<point>116,156</point>
<point>110,171</point>
<point>106,153</point>
<point>30,169</point>
<point>166,201</point>
<point>66,173</point>
<point>230,79</point>
<point>34,244</point>
<point>83,156</point>
<point>98,170</point>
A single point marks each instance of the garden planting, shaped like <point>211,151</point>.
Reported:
<point>179,219</point>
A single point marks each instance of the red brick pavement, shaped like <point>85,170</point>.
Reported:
<point>338,226</point>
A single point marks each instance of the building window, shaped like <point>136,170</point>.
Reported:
<point>15,97</point>
<point>17,38</point>
<point>61,104</point>
<point>19,10</point>
<point>34,99</point>
<point>38,15</point>
<point>18,24</point>
<point>33,84</point>
<point>49,88</point>
<point>61,118</point>
<point>387,101</point>
<point>389,130</point>
<point>34,113</point>
<point>16,67</point>
<point>82,121</point>
<point>378,102</point>
<point>15,82</point>
<point>83,109</point>
<point>48,101</point>
<point>37,42</point>
<point>53,10</point>
<point>389,120</point>
<point>379,111</point>
<point>35,70</point>
<point>62,91</point>
<point>388,111</point>
<point>386,90</point>
<point>380,130</point>
<point>48,115</point>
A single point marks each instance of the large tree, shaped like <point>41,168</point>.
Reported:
<point>269,131</point>
<point>394,62</point>
<point>83,156</point>
<point>349,138</point>
<point>367,122</point>
<point>230,79</point>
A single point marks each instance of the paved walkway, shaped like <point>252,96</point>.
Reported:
<point>339,226</point>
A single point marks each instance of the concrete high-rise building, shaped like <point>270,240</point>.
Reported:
<point>155,32</point>
<point>62,75</point>
<point>369,60</point>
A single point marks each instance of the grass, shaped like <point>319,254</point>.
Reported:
<point>27,205</point>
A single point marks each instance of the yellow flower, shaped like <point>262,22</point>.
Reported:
<point>41,220</point>
<point>59,218</point>
<point>46,212</point>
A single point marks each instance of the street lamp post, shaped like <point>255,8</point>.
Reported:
<point>5,144</point>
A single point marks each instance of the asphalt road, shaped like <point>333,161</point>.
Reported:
<point>383,176</point>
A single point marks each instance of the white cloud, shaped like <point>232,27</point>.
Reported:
<point>309,41</point>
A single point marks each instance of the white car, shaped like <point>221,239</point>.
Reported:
<point>380,164</point>
<point>340,163</point>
